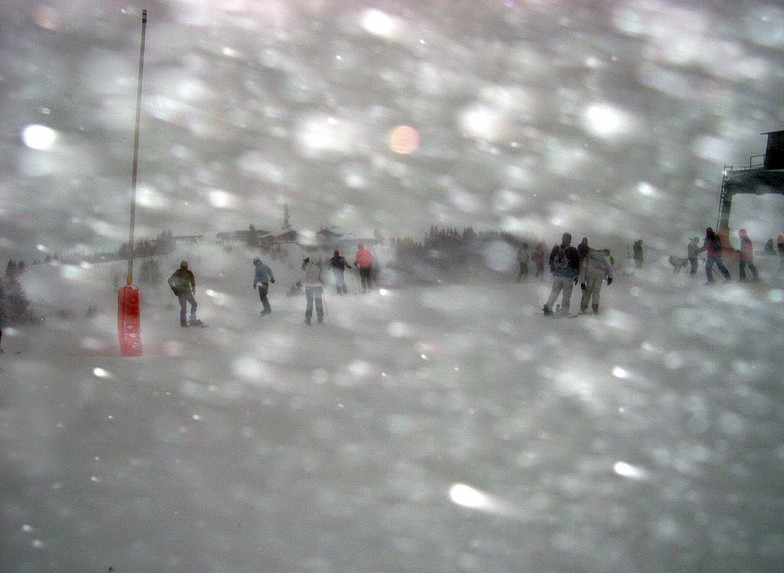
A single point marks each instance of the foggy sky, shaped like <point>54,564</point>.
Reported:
<point>606,117</point>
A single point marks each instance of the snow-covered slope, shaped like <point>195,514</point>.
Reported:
<point>422,429</point>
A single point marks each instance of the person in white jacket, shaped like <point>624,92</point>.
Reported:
<point>594,269</point>
<point>314,290</point>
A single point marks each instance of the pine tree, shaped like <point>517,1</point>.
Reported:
<point>14,306</point>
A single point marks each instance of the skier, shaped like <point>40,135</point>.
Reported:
<point>314,290</point>
<point>183,285</point>
<point>712,245</point>
<point>595,268</point>
<point>565,266</point>
<point>538,259</point>
<point>692,251</point>
<point>364,263</point>
<point>522,260</point>
<point>638,256</point>
<point>339,264</point>
<point>746,257</point>
<point>262,279</point>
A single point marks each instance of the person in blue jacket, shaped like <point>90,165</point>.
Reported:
<point>262,279</point>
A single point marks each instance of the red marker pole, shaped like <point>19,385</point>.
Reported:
<point>128,310</point>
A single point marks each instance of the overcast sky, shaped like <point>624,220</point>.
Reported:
<point>604,118</point>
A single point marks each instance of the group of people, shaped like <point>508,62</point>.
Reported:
<point>572,265</point>
<point>523,258</point>
<point>183,284</point>
<point>713,249</point>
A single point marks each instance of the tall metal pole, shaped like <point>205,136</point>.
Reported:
<point>136,150</point>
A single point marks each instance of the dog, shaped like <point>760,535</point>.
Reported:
<point>678,263</point>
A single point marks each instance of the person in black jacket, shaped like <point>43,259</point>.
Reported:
<point>565,267</point>
<point>338,264</point>
<point>183,285</point>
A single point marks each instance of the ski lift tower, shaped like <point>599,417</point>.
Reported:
<point>764,174</point>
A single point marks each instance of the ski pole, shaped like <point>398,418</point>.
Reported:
<point>324,301</point>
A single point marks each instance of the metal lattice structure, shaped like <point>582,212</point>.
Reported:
<point>764,174</point>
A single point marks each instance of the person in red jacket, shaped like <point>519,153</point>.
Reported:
<point>364,263</point>
<point>712,245</point>
<point>746,257</point>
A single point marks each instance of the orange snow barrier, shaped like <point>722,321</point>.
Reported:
<point>129,321</point>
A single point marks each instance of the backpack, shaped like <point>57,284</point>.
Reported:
<point>560,261</point>
<point>716,244</point>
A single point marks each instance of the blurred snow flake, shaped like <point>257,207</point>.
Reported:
<point>776,295</point>
<point>248,368</point>
<point>319,376</point>
<point>626,470</point>
<point>765,25</point>
<point>398,329</point>
<point>379,23</point>
<point>646,189</point>
<point>151,198</point>
<point>319,133</point>
<point>38,137</point>
<point>605,121</point>
<point>620,372</point>
<point>360,368</point>
<point>472,498</point>
<point>101,373</point>
<point>221,199</point>
<point>404,139</point>
<point>48,18</point>
<point>482,121</point>
<point>500,256</point>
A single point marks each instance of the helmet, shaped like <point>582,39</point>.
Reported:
<point>256,260</point>
<point>184,265</point>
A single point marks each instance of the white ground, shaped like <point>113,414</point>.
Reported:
<point>431,429</point>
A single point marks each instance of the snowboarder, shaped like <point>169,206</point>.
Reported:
<point>538,259</point>
<point>314,290</point>
<point>339,264</point>
<point>692,252</point>
<point>637,253</point>
<point>565,266</point>
<point>746,257</point>
<point>595,268</point>
<point>183,285</point>
<point>522,261</point>
<point>364,263</point>
<point>712,245</point>
<point>262,279</point>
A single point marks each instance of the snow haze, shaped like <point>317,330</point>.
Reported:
<point>439,428</point>
<point>520,115</point>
